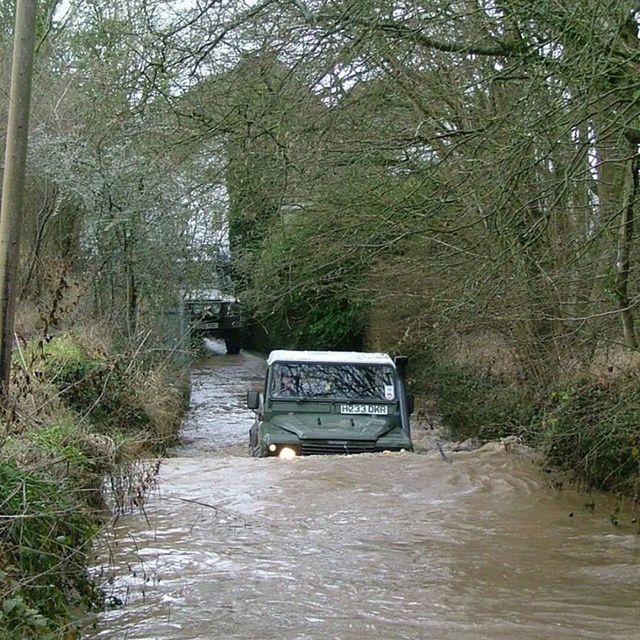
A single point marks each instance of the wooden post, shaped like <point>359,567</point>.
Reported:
<point>14,177</point>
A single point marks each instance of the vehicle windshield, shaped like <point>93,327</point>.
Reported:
<point>333,381</point>
<point>212,308</point>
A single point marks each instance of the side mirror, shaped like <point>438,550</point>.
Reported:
<point>410,403</point>
<point>253,400</point>
<point>401,365</point>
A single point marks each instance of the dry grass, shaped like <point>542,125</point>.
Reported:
<point>160,396</point>
<point>485,352</point>
<point>28,321</point>
<point>613,362</point>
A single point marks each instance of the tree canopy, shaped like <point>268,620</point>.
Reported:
<point>450,166</point>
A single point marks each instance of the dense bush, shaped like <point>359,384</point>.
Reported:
<point>588,428</point>
<point>93,383</point>
<point>114,394</point>
<point>473,404</point>
<point>594,430</point>
<point>305,303</point>
<point>44,537</point>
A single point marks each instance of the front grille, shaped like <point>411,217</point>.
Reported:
<point>329,447</point>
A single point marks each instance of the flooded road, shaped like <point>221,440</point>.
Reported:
<point>361,547</point>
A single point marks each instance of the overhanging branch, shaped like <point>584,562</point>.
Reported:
<point>415,34</point>
<point>390,27</point>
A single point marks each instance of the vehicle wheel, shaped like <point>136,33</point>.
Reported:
<point>232,342</point>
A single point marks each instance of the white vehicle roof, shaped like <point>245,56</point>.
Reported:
<point>338,357</point>
<point>203,295</point>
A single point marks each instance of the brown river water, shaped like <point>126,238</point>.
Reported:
<point>379,546</point>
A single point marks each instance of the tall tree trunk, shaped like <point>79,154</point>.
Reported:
<point>13,180</point>
<point>623,264</point>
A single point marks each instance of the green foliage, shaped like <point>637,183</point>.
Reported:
<point>473,404</point>
<point>61,440</point>
<point>105,397</point>
<point>92,383</point>
<point>589,429</point>
<point>110,407</point>
<point>306,299</point>
<point>44,537</point>
<point>21,620</point>
<point>594,431</point>
<point>65,360</point>
<point>271,112</point>
<point>331,323</point>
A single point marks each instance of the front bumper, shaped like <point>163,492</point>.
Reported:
<point>308,447</point>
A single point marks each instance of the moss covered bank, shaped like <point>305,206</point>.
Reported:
<point>83,411</point>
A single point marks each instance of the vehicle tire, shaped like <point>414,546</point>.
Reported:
<point>232,342</point>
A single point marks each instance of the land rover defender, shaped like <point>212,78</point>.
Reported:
<point>213,314</point>
<point>330,402</point>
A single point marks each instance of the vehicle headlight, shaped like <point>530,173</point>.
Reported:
<point>287,453</point>
<point>272,447</point>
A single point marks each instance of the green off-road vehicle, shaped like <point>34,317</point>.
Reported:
<point>330,402</point>
<point>213,314</point>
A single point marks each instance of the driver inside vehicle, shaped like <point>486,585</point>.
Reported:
<point>287,386</point>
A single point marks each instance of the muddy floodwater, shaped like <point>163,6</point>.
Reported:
<point>379,546</point>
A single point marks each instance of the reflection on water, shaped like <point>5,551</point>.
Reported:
<point>369,546</point>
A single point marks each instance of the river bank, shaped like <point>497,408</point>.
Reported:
<point>84,409</point>
<point>584,422</point>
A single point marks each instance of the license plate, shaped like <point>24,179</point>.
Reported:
<point>367,409</point>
